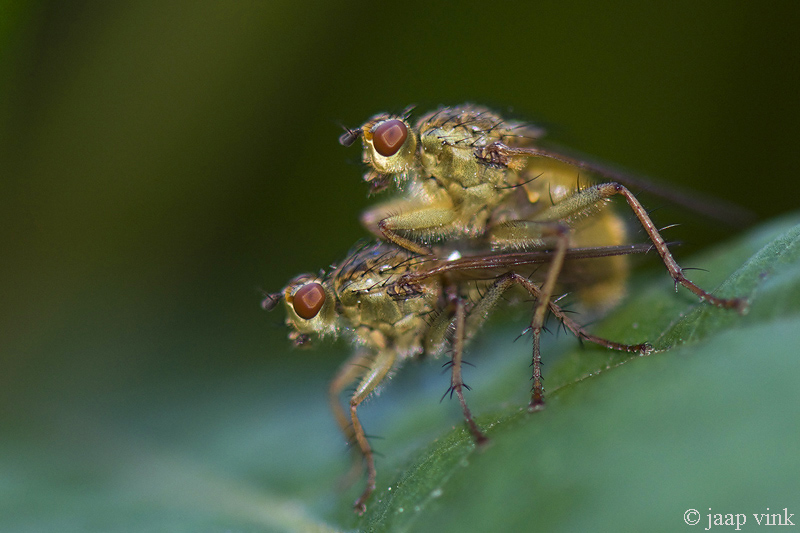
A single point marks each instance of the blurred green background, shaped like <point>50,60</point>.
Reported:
<point>162,163</point>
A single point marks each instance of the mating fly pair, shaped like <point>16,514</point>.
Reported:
<point>469,183</point>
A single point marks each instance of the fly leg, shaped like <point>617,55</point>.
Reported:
<point>377,371</point>
<point>452,318</point>
<point>483,307</point>
<point>539,314</point>
<point>353,368</point>
<point>456,381</point>
<point>481,310</point>
<point>594,195</point>
<point>644,348</point>
<point>424,221</point>
<point>536,232</point>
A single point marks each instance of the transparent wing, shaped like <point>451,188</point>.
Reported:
<point>491,265</point>
<point>710,207</point>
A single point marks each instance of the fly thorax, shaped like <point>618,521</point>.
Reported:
<point>371,308</point>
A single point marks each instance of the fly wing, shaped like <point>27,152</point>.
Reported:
<point>713,208</point>
<point>491,265</point>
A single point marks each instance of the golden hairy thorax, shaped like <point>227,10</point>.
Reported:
<point>461,178</point>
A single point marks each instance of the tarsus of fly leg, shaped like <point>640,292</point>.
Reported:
<point>537,322</point>
<point>381,366</point>
<point>456,381</point>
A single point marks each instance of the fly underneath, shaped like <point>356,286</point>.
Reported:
<point>392,305</point>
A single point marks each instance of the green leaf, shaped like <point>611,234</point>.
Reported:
<point>712,426</point>
<point>631,443</point>
<point>626,443</point>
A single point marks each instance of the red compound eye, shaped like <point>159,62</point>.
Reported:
<point>308,300</point>
<point>389,137</point>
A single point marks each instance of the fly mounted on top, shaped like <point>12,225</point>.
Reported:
<point>465,174</point>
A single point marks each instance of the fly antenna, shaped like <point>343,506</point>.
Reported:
<point>349,136</point>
